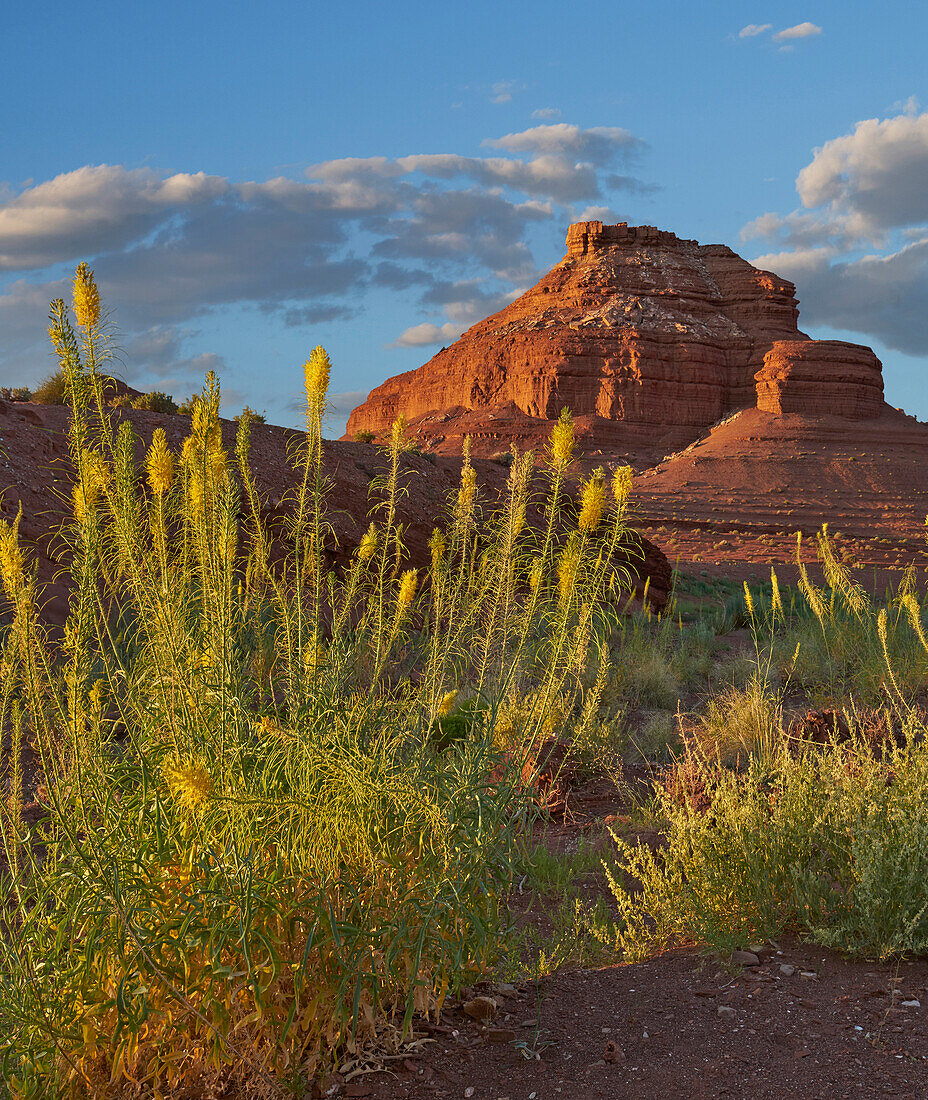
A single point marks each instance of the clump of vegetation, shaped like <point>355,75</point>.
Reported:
<point>817,826</point>
<point>15,393</point>
<point>250,414</point>
<point>52,390</point>
<point>831,843</point>
<point>245,853</point>
<point>156,402</point>
<point>364,436</point>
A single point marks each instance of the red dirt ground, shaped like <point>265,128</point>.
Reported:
<point>680,1025</point>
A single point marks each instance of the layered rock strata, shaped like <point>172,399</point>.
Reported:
<point>649,337</point>
<point>820,378</point>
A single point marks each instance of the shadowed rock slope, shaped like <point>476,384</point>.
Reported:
<point>36,474</point>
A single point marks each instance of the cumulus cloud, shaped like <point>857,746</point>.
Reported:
<point>170,250</point>
<point>596,214</point>
<point>858,250</point>
<point>547,112</point>
<point>881,296</point>
<point>599,145</point>
<point>159,352</point>
<point>754,29</point>
<point>801,230</point>
<point>427,333</point>
<point>502,91</point>
<point>878,172</point>
<point>92,209</point>
<point>800,30</point>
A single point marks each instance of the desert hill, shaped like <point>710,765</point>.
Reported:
<point>36,472</point>
<point>741,492</point>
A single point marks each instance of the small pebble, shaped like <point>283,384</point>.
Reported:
<point>912,1004</point>
<point>787,971</point>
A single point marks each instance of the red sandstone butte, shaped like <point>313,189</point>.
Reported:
<point>647,338</point>
<point>820,378</point>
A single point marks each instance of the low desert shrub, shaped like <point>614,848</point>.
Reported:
<point>830,843</point>
<point>252,415</point>
<point>52,390</point>
<point>156,402</point>
<point>364,436</point>
<point>655,736</point>
<point>15,393</point>
<point>819,830</point>
<point>738,722</point>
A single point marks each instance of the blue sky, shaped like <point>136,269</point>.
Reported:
<point>251,180</point>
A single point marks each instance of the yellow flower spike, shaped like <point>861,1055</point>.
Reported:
<point>316,371</point>
<point>562,440</point>
<point>86,297</point>
<point>468,491</point>
<point>367,547</point>
<point>567,566</point>
<point>398,433</point>
<point>447,702</point>
<point>438,545</point>
<point>534,576</point>
<point>189,782</point>
<point>80,505</point>
<point>93,477</point>
<point>159,463</point>
<point>621,484</point>
<point>217,464</point>
<point>407,592</point>
<point>749,600</point>
<point>11,557</point>
<point>593,503</point>
<point>776,602</point>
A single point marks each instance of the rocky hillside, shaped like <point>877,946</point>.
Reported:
<point>36,474</point>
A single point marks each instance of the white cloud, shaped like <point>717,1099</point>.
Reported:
<point>881,296</point>
<point>597,214</point>
<point>547,112</point>
<point>502,91</point>
<point>800,30</point>
<point>93,208</point>
<point>878,172</point>
<point>858,251</point>
<point>910,106</point>
<point>754,29</point>
<point>598,145</point>
<point>427,333</point>
<point>800,230</point>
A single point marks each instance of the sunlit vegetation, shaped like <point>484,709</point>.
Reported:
<point>258,811</point>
